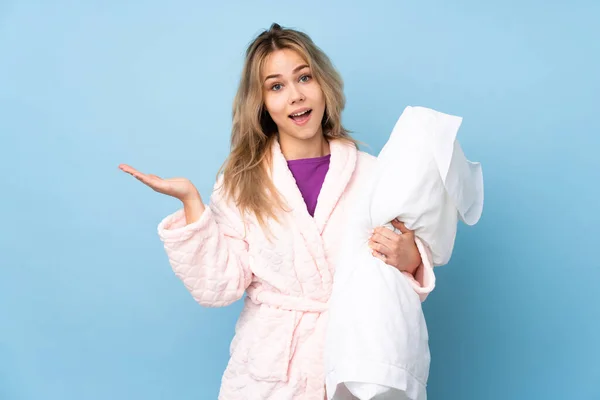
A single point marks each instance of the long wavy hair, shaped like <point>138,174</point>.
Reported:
<point>246,178</point>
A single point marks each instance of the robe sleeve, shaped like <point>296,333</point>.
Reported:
<point>423,281</point>
<point>210,256</point>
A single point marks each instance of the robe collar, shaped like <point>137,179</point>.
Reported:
<point>341,167</point>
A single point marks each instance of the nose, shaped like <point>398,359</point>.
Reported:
<point>296,94</point>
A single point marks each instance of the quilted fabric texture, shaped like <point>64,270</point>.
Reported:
<point>277,350</point>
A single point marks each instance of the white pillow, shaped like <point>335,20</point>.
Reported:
<point>377,341</point>
<point>425,180</point>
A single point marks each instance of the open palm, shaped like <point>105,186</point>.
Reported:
<point>180,188</point>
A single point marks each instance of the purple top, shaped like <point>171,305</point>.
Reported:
<point>310,174</point>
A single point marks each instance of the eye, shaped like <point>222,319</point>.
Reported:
<point>305,78</point>
<point>276,87</point>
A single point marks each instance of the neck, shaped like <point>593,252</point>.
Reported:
<point>294,149</point>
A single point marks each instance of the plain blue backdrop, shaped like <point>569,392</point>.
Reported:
<point>89,307</point>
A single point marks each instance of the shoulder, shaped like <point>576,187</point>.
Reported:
<point>218,193</point>
<point>222,203</point>
<point>364,169</point>
<point>359,160</point>
<point>349,150</point>
<point>365,162</point>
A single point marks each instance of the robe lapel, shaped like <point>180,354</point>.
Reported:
<point>341,166</point>
<point>286,185</point>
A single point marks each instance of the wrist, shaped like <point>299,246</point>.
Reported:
<point>414,266</point>
<point>192,198</point>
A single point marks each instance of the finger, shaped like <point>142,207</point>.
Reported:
<point>142,178</point>
<point>133,172</point>
<point>400,226</point>
<point>380,256</point>
<point>379,238</point>
<point>146,178</point>
<point>127,168</point>
<point>136,174</point>
<point>380,248</point>
<point>153,181</point>
<point>386,232</point>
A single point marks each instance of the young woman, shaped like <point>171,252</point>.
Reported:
<point>273,224</point>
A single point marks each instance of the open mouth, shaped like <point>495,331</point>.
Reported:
<point>301,117</point>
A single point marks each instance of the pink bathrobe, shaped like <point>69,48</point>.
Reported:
<point>277,351</point>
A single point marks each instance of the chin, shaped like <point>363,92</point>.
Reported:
<point>308,134</point>
<point>305,132</point>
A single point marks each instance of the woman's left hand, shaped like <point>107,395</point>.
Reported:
<point>398,250</point>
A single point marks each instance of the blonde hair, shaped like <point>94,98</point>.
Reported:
<point>246,178</point>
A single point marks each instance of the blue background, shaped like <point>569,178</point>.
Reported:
<point>89,307</point>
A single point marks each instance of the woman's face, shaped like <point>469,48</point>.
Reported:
<point>292,96</point>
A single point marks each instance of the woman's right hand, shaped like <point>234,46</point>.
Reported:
<point>180,188</point>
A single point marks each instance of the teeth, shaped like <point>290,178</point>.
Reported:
<point>299,114</point>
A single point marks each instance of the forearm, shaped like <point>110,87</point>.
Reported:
<point>193,208</point>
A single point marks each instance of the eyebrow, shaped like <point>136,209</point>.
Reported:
<point>298,68</point>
